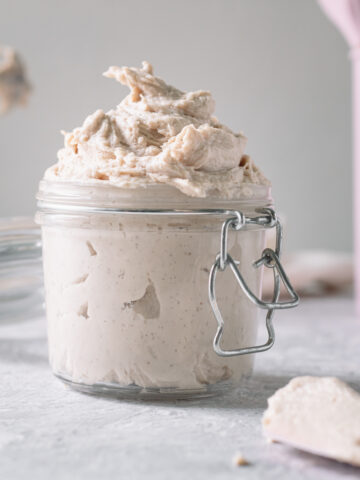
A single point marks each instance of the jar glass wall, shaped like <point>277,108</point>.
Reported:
<point>127,293</point>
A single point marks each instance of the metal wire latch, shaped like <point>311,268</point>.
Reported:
<point>270,259</point>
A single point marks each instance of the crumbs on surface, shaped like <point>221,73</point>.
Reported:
<point>240,461</point>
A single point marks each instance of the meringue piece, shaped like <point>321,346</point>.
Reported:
<point>320,415</point>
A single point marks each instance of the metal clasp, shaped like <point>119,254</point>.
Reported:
<point>270,259</point>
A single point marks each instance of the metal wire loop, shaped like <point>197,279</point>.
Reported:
<point>267,220</point>
<point>236,223</point>
<point>270,259</point>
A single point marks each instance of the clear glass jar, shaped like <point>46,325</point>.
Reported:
<point>126,280</point>
<point>21,280</point>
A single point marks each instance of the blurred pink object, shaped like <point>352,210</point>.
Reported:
<point>314,273</point>
<point>346,16</point>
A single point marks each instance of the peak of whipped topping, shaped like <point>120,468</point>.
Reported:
<point>157,134</point>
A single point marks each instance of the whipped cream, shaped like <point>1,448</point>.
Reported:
<point>127,301</point>
<point>158,134</point>
<point>14,86</point>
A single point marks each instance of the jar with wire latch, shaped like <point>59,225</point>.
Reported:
<point>151,293</point>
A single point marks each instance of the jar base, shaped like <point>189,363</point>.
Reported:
<point>134,392</point>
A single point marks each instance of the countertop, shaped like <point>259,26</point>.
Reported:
<point>48,431</point>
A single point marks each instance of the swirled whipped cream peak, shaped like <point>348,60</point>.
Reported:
<point>157,135</point>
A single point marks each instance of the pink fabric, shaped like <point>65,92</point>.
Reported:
<point>345,14</point>
<point>356,177</point>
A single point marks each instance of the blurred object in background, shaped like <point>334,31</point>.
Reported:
<point>21,279</point>
<point>345,14</point>
<point>315,273</point>
<point>14,86</point>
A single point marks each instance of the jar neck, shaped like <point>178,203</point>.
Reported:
<point>95,196</point>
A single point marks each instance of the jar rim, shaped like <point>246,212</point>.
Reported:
<point>157,196</point>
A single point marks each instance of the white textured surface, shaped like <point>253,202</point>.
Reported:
<point>49,432</point>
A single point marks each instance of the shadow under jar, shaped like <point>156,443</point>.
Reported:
<point>127,288</point>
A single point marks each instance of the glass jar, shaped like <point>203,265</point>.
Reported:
<point>131,310</point>
<point>21,280</point>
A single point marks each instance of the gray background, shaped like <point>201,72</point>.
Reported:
<point>278,71</point>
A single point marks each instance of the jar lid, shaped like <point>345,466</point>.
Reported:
<point>21,279</point>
